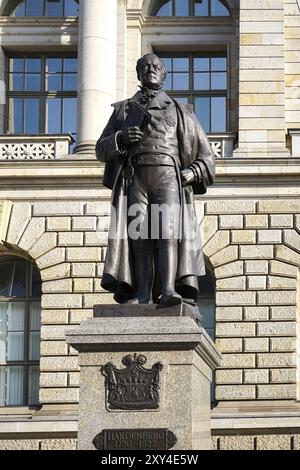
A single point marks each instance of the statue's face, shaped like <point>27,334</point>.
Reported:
<point>151,72</point>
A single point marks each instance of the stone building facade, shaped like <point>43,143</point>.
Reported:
<point>55,211</point>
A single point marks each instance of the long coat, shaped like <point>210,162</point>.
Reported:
<point>194,148</point>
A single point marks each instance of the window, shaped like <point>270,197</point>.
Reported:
<point>192,8</point>
<point>20,315</point>
<point>50,8</point>
<point>42,95</point>
<point>200,80</point>
<point>207,308</point>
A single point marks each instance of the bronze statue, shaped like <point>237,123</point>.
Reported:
<point>156,154</point>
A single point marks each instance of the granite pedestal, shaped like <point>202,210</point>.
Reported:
<point>172,337</point>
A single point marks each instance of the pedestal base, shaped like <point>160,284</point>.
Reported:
<point>179,401</point>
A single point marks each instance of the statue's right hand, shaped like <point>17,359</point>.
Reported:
<point>129,136</point>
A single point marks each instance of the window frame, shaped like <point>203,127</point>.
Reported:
<point>9,11</point>
<point>160,4</point>
<point>193,94</point>
<point>42,94</point>
<point>27,300</point>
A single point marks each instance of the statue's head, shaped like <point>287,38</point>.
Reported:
<point>151,71</point>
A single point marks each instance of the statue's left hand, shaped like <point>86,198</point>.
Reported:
<point>187,177</point>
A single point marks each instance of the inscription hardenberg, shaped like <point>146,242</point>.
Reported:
<point>122,439</point>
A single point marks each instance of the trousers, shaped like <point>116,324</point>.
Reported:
<point>154,227</point>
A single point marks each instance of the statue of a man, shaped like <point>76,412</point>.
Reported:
<point>156,155</point>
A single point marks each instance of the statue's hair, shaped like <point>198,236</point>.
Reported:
<point>142,60</point>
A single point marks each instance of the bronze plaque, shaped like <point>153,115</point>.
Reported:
<point>135,387</point>
<point>135,439</point>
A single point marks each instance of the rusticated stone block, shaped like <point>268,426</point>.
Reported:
<point>230,283</point>
<point>59,271</point>
<point>284,312</point>
<point>277,298</point>
<point>53,348</point>
<point>225,256</point>
<point>276,392</point>
<point>77,316</point>
<point>57,364</point>
<point>83,285</point>
<point>97,208</point>
<point>276,360</point>
<point>84,254</point>
<point>229,314</point>
<point>237,443</point>
<point>243,237</point>
<point>58,224</point>
<point>61,285</point>
<point>256,376</point>
<point>235,329</point>
<point>83,269</point>
<point>20,216</point>
<point>235,298</point>
<point>96,239</point>
<point>232,361</point>
<point>283,253</point>
<point>269,236</point>
<point>283,206</point>
<point>64,301</point>
<point>229,377</point>
<point>229,270</point>
<point>54,379</point>
<point>229,344</point>
<point>73,379</point>
<point>256,251</point>
<point>256,282</point>
<point>209,226</point>
<point>256,267</point>
<point>58,444</point>
<point>34,230</point>
<point>276,329</point>
<point>54,257</point>
<point>59,395</point>
<point>19,444</point>
<point>57,208</point>
<point>47,242</point>
<point>283,376</point>
<point>92,299</point>
<point>256,345</point>
<point>84,223</point>
<point>283,344</point>
<point>55,317</point>
<point>256,221</point>
<point>230,207</point>
<point>70,239</point>
<point>256,313</point>
<point>274,442</point>
<point>281,221</point>
<point>235,392</point>
<point>50,332</point>
<point>231,221</point>
<point>219,241</point>
<point>283,269</point>
<point>292,239</point>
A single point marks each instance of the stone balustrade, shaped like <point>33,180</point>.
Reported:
<point>34,147</point>
<point>53,147</point>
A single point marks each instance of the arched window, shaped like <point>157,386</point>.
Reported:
<point>20,318</point>
<point>191,8</point>
<point>50,8</point>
